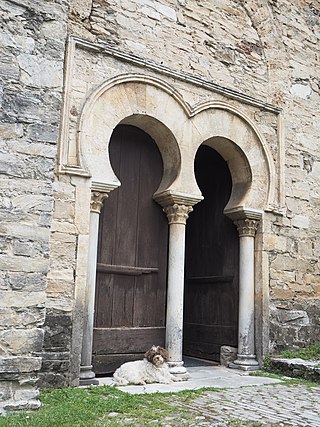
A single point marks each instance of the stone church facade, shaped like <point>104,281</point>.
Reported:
<point>227,94</point>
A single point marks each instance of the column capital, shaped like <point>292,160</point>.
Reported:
<point>97,198</point>
<point>177,214</point>
<point>247,226</point>
<point>245,219</point>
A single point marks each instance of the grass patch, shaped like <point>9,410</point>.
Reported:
<point>102,407</point>
<point>312,352</point>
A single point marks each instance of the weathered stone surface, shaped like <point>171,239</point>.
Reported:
<point>227,355</point>
<point>21,341</point>
<point>32,52</point>
<point>17,364</point>
<point>298,368</point>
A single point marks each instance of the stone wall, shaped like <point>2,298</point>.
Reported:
<point>32,38</point>
<point>263,49</point>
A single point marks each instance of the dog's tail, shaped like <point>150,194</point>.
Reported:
<point>118,379</point>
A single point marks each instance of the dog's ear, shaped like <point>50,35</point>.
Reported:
<point>164,353</point>
<point>150,354</point>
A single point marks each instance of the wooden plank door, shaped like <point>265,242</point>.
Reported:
<point>211,284</point>
<point>132,255</point>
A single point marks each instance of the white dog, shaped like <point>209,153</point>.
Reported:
<point>152,369</point>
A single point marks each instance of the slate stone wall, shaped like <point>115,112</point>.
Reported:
<point>32,40</point>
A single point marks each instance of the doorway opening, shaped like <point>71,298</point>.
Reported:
<point>130,303</point>
<point>212,264</point>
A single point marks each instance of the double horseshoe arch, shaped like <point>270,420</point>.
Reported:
<point>178,129</point>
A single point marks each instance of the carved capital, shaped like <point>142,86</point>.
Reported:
<point>247,227</point>
<point>177,214</point>
<point>96,201</point>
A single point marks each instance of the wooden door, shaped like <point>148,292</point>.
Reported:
<point>132,256</point>
<point>211,284</point>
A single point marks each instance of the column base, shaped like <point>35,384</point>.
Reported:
<point>245,362</point>
<point>177,369</point>
<point>87,376</point>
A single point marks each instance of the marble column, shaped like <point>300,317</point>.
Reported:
<point>246,358</point>
<point>87,376</point>
<point>177,217</point>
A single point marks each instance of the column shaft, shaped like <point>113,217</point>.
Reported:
<point>86,373</point>
<point>246,358</point>
<point>177,217</point>
<point>175,292</point>
<point>246,296</point>
<point>87,376</point>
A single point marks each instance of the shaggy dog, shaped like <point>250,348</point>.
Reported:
<point>152,369</point>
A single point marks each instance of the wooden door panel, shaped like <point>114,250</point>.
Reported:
<point>132,255</point>
<point>114,346</point>
<point>120,340</point>
<point>211,272</point>
<point>204,341</point>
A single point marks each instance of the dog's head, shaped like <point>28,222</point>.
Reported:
<point>157,355</point>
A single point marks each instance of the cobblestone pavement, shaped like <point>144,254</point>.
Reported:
<point>269,405</point>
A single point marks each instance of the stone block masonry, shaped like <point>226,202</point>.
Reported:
<point>32,38</point>
<point>265,50</point>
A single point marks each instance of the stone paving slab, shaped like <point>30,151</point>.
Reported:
<point>217,377</point>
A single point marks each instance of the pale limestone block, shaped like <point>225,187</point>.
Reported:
<point>300,221</point>
<point>26,393</point>
<point>34,202</point>
<point>36,149</point>
<point>63,238</point>
<point>22,299</point>
<point>39,71</point>
<point>292,317</point>
<point>24,43</point>
<point>25,231</point>
<point>56,287</point>
<point>136,46</point>
<point>164,10</point>
<point>301,91</point>
<point>63,275</point>
<point>305,249</point>
<point>64,227</point>
<point>22,263</point>
<point>136,95</point>
<point>274,242</point>
<point>61,302</point>
<point>11,130</point>
<point>21,317</point>
<point>81,8</point>
<point>282,294</point>
<point>311,278</point>
<point>283,275</point>
<point>151,13</point>
<point>64,210</point>
<point>82,209</point>
<point>63,190</point>
<point>21,341</point>
<point>301,288</point>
